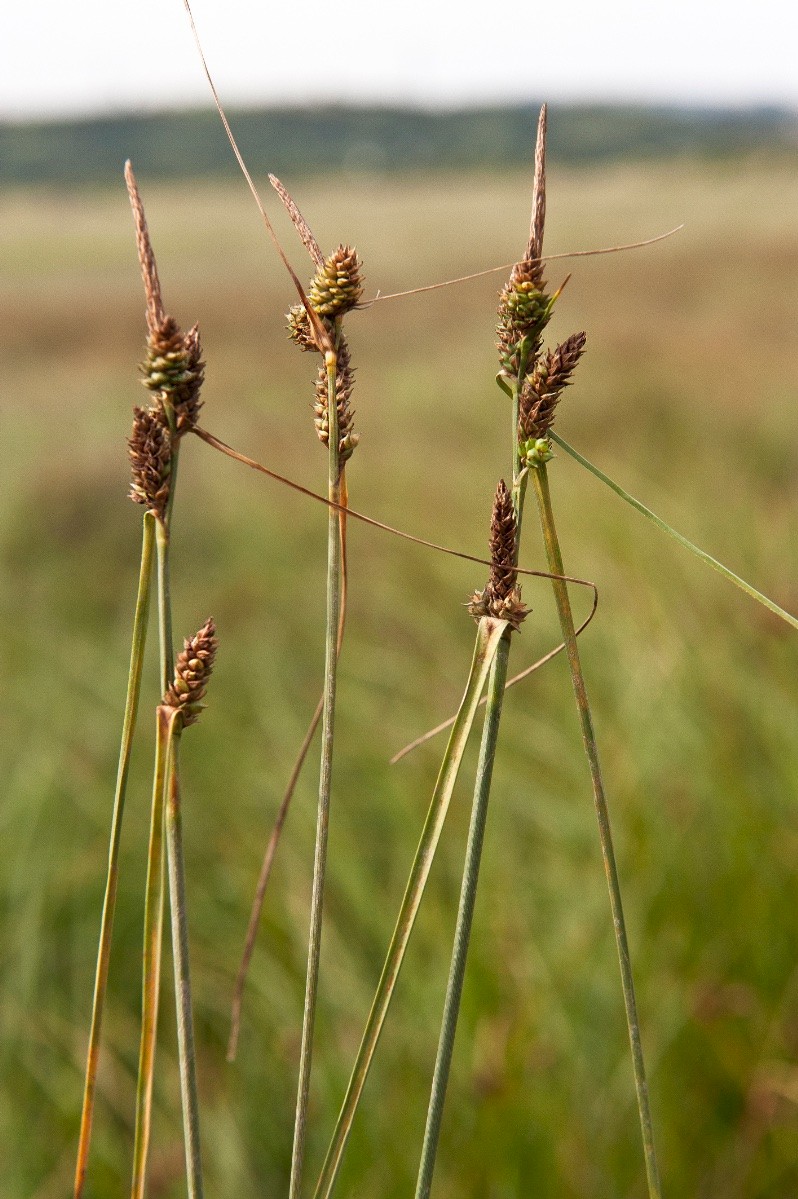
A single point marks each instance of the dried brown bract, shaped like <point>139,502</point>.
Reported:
<point>501,597</point>
<point>541,391</point>
<point>192,672</point>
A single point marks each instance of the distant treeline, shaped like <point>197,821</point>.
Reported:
<point>305,140</point>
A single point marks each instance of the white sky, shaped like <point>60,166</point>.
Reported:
<point>73,56</point>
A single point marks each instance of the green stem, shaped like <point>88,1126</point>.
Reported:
<point>155,890</point>
<point>151,982</point>
<point>666,528</point>
<point>325,778</point>
<point>605,834</point>
<point>465,913</point>
<point>489,634</point>
<point>185,1020</point>
<point>109,904</point>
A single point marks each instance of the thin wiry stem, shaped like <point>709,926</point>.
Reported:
<point>489,634</point>
<point>325,780</point>
<point>605,833</point>
<point>282,812</point>
<point>109,904</point>
<point>683,541</point>
<point>465,913</point>
<point>185,1019</point>
<point>151,981</point>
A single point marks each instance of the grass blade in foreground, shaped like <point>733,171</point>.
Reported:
<point>489,634</point>
<point>540,478</point>
<point>683,541</point>
<point>109,904</point>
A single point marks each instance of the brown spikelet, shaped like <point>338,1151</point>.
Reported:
<point>192,672</point>
<point>543,388</point>
<point>149,268</point>
<point>501,597</point>
<point>337,286</point>
<point>344,382</point>
<point>150,450</point>
<point>174,371</point>
<point>300,224</point>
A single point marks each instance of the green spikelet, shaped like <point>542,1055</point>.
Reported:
<point>337,286</point>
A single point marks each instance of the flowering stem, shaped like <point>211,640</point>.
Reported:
<point>109,904</point>
<point>489,635</point>
<point>325,779</point>
<point>154,891</point>
<point>153,941</point>
<point>605,834</point>
<point>468,894</point>
<point>177,903</point>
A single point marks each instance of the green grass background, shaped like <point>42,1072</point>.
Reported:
<point>687,397</point>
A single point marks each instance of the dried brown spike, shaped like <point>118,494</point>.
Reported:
<point>542,390</point>
<point>300,224</point>
<point>344,382</point>
<point>150,450</point>
<point>149,268</point>
<point>192,672</point>
<point>534,247</point>
<point>501,597</point>
<point>337,286</point>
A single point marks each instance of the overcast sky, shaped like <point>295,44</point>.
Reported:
<point>74,56</point>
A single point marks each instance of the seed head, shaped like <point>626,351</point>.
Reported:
<point>174,371</point>
<point>542,389</point>
<point>524,311</point>
<point>150,450</point>
<point>337,286</point>
<point>344,382</point>
<point>299,328</point>
<point>501,597</point>
<point>192,672</point>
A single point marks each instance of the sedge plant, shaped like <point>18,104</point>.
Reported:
<point>336,289</point>
<point>536,382</point>
<point>173,374</point>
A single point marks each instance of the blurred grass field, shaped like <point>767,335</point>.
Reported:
<point>687,397</point>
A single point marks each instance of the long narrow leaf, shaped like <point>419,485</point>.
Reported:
<point>666,528</point>
<point>488,637</point>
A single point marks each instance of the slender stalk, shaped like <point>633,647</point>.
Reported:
<point>151,982</point>
<point>605,834</point>
<point>468,893</point>
<point>325,779</point>
<point>185,1019</point>
<point>109,904</point>
<point>683,541</point>
<point>154,891</point>
<point>489,634</point>
<point>282,812</point>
